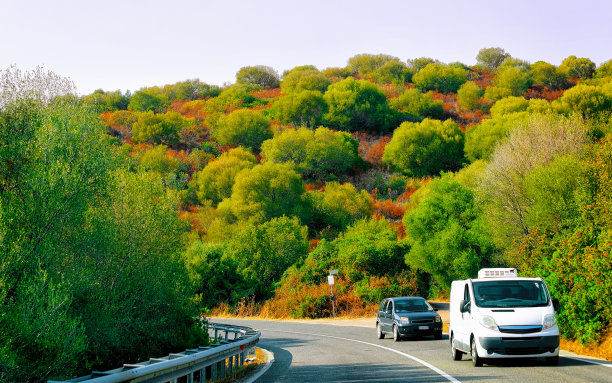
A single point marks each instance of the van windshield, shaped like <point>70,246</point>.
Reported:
<point>510,294</point>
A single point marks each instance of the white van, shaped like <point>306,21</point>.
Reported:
<point>500,315</point>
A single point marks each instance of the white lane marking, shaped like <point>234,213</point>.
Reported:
<point>424,363</point>
<point>587,361</point>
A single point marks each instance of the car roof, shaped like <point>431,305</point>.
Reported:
<point>404,298</point>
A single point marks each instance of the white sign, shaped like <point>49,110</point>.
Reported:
<point>330,279</point>
<point>333,272</point>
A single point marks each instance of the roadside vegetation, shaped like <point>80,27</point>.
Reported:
<point>125,215</point>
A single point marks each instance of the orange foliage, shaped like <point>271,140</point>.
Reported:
<point>177,105</point>
<point>267,93</point>
<point>313,301</point>
<point>371,148</point>
<point>543,92</point>
<point>483,77</point>
<point>391,210</point>
<point>194,109</point>
<point>318,186</point>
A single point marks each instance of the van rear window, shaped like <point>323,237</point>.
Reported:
<point>510,294</point>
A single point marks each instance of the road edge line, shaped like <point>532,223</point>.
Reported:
<point>414,358</point>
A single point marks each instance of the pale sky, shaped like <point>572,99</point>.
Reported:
<point>128,45</point>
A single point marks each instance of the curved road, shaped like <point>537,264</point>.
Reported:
<point>331,353</point>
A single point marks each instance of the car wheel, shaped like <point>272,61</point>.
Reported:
<point>552,361</point>
<point>396,335</point>
<point>379,333</point>
<point>456,354</point>
<point>438,335</point>
<point>476,360</point>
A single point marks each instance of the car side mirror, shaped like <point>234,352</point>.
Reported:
<point>463,306</point>
<point>435,309</point>
<point>555,303</point>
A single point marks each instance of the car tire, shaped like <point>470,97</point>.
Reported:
<point>379,332</point>
<point>396,335</point>
<point>476,360</point>
<point>438,335</point>
<point>455,354</point>
<point>552,360</point>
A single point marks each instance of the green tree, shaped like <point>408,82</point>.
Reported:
<point>258,75</point>
<point>415,104</point>
<point>493,93</point>
<point>358,105</point>
<point>535,143</point>
<point>340,205</point>
<point>514,79</point>
<point>149,100</point>
<point>369,247</point>
<point>305,108</point>
<point>131,284</point>
<point>263,252</point>
<point>604,70</point>
<point>587,100</point>
<point>306,77</point>
<point>425,148</point>
<point>509,105</point>
<point>365,63</point>
<point>264,192</point>
<point>318,155</point>
<point>545,74</point>
<point>447,234</point>
<point>103,101</point>
<point>468,95</point>
<point>419,63</point>
<point>481,139</point>
<point>491,58</point>
<point>159,128</point>
<point>440,77</point>
<point>157,159</point>
<point>558,191</point>
<point>215,275</point>
<point>215,181</point>
<point>578,67</point>
<point>245,127</point>
<point>54,162</point>
<point>191,90</point>
<point>391,72</point>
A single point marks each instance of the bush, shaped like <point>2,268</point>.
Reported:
<point>440,77</point>
<point>426,148</point>
<point>243,127</point>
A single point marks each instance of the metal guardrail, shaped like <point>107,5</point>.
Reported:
<point>203,364</point>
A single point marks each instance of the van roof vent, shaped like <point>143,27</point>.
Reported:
<point>497,273</point>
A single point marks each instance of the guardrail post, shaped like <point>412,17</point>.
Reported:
<point>226,334</point>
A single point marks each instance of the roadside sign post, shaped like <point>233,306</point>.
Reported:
<point>330,280</point>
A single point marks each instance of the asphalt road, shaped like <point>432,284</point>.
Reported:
<point>331,353</point>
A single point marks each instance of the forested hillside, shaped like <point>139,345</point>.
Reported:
<point>124,215</point>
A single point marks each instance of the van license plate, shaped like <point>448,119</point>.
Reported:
<point>423,327</point>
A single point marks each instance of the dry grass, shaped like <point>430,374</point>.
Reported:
<point>602,350</point>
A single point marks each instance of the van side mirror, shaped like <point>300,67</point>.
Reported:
<point>463,306</point>
<point>555,303</point>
